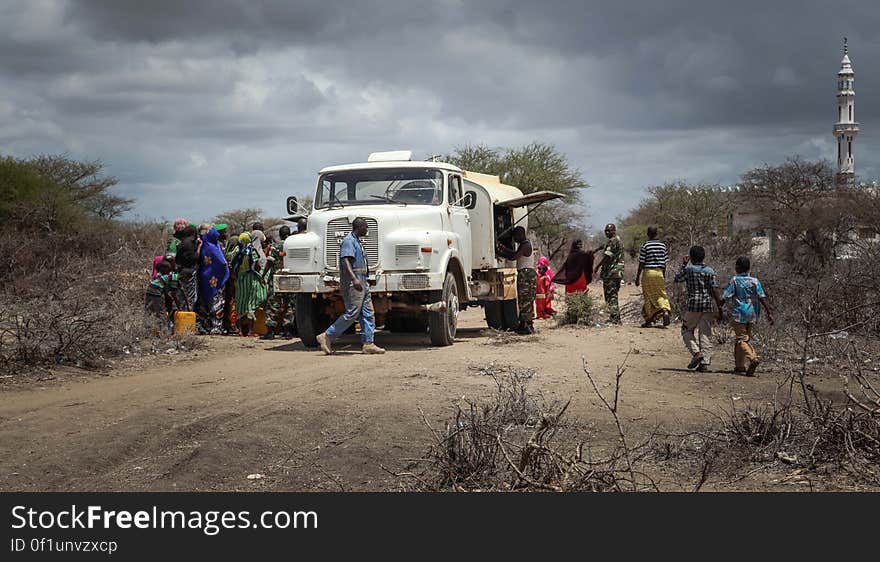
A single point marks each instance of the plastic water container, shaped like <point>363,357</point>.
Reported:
<point>184,322</point>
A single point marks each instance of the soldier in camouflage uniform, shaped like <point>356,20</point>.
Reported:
<point>611,267</point>
<point>526,284</point>
<point>278,302</point>
<point>526,278</point>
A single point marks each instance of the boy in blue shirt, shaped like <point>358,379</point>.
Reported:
<point>748,296</point>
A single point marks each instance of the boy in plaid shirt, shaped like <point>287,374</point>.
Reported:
<point>702,291</point>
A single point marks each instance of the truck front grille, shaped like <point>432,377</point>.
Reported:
<point>337,229</point>
<point>414,281</point>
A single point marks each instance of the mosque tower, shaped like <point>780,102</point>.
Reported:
<point>846,128</point>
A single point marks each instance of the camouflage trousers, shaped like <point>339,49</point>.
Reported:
<point>275,304</point>
<point>611,288</point>
<point>526,284</point>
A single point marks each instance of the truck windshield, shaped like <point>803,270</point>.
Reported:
<point>384,186</point>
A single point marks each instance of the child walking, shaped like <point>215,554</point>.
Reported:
<point>544,290</point>
<point>162,297</point>
<point>748,297</point>
<point>702,292</point>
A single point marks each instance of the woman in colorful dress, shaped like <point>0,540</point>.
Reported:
<point>213,275</point>
<point>250,289</point>
<point>187,263</point>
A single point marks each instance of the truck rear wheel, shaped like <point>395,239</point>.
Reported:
<point>443,325</point>
<point>502,315</point>
<point>310,319</point>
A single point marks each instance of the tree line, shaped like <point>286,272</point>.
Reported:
<point>815,217</point>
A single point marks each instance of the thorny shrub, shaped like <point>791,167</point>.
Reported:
<point>806,429</point>
<point>75,298</point>
<point>579,310</point>
<point>490,446</point>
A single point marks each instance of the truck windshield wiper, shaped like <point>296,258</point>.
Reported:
<point>388,199</point>
<point>336,199</point>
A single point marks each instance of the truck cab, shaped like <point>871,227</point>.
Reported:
<point>430,248</point>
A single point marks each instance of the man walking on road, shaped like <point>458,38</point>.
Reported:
<point>611,267</point>
<point>355,288</point>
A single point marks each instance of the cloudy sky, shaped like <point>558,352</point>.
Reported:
<point>203,106</point>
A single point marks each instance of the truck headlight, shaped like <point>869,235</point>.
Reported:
<point>288,283</point>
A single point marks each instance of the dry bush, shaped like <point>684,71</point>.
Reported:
<point>487,447</point>
<point>802,427</point>
<point>497,337</point>
<point>76,298</point>
<point>757,428</point>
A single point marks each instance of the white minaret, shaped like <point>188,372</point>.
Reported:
<point>846,128</point>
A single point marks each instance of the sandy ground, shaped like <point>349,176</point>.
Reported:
<point>306,421</point>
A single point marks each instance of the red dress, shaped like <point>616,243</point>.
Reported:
<point>578,286</point>
<point>544,298</point>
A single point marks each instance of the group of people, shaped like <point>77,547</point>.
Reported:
<point>705,302</point>
<point>536,285</point>
<point>226,280</point>
<point>223,280</point>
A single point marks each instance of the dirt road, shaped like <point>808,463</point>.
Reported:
<point>306,421</point>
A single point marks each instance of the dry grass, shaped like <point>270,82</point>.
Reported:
<point>514,442</point>
<point>77,299</point>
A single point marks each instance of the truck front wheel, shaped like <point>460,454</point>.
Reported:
<point>310,319</point>
<point>442,325</point>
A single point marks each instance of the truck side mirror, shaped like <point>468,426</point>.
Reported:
<point>470,200</point>
<point>292,206</point>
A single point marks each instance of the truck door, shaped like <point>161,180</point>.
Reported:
<point>461,223</point>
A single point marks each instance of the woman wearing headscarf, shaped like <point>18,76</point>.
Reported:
<point>577,271</point>
<point>213,275</point>
<point>250,289</point>
<point>178,227</point>
<point>187,262</point>
<point>544,290</point>
<point>156,261</point>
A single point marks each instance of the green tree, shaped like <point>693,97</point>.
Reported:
<point>535,167</point>
<point>84,183</point>
<point>55,193</point>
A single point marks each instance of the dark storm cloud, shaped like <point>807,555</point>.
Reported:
<point>219,95</point>
<point>657,64</point>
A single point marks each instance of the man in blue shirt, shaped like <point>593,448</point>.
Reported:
<point>355,290</point>
<point>748,297</point>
